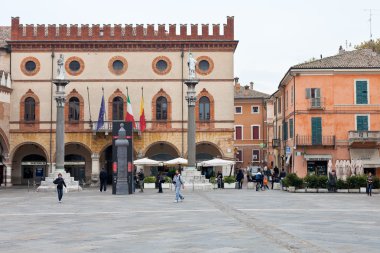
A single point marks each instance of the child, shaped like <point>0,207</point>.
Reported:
<point>60,183</point>
<point>266,183</point>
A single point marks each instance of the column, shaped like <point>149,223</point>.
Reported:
<point>191,99</point>
<point>95,165</point>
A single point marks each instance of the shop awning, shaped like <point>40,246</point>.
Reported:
<point>317,157</point>
<point>369,156</point>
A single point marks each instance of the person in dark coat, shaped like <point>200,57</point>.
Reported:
<point>140,178</point>
<point>239,179</point>
<point>332,181</point>
<point>160,181</point>
<point>60,183</point>
<point>219,178</point>
<point>103,180</point>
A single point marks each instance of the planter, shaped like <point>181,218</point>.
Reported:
<point>312,190</point>
<point>276,186</point>
<point>149,185</point>
<point>376,191</point>
<point>363,190</point>
<point>251,185</point>
<point>291,189</point>
<point>354,190</point>
<point>342,190</point>
<point>284,188</point>
<point>166,186</point>
<point>301,190</point>
<point>323,190</point>
<point>229,186</point>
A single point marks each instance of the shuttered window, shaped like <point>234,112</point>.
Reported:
<point>361,92</point>
<point>238,132</point>
<point>255,132</point>
<point>316,131</point>
<point>362,123</point>
<point>290,128</point>
<point>285,131</point>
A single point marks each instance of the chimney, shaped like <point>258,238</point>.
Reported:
<point>341,50</point>
<point>246,87</point>
<point>251,85</point>
<point>236,79</point>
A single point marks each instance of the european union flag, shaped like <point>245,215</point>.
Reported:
<point>101,115</point>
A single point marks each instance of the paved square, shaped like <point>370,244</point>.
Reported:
<point>215,221</point>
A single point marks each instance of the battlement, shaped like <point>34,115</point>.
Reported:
<point>118,32</point>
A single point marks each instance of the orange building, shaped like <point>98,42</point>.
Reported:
<point>331,111</point>
<point>250,128</point>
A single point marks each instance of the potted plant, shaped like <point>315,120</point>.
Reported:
<point>311,182</point>
<point>341,186</point>
<point>229,182</point>
<point>376,185</point>
<point>362,183</point>
<point>322,184</point>
<point>167,184</point>
<point>353,185</point>
<point>150,182</point>
<point>294,182</point>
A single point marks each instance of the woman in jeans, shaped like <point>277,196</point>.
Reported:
<point>369,184</point>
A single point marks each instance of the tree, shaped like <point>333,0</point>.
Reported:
<point>371,44</point>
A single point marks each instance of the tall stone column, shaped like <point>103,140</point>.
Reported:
<point>8,171</point>
<point>95,166</point>
<point>124,183</point>
<point>191,99</point>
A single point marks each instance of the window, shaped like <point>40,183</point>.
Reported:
<point>30,109</point>
<point>362,123</point>
<point>74,109</point>
<point>255,132</point>
<point>279,105</point>
<point>316,131</point>
<point>292,96</point>
<point>239,155</point>
<point>204,65</point>
<point>313,92</point>
<point>161,65</point>
<point>279,132</point>
<point>286,98</point>
<point>238,110</point>
<point>117,108</point>
<point>161,109</point>
<point>74,66</point>
<point>30,66</point>
<point>291,128</point>
<point>361,90</point>
<point>118,65</point>
<point>255,155</point>
<point>238,132</point>
<point>204,108</point>
<point>285,131</point>
<point>275,108</point>
<point>255,109</point>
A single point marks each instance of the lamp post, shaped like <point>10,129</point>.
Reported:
<point>60,83</point>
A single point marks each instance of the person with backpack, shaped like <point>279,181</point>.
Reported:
<point>178,183</point>
<point>103,180</point>
<point>60,182</point>
<point>140,178</point>
<point>259,180</point>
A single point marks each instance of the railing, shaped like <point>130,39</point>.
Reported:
<point>276,143</point>
<point>363,136</point>
<point>316,103</point>
<point>307,140</point>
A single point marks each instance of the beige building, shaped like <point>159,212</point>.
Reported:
<point>121,60</point>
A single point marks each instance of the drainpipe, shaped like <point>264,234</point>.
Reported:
<point>51,111</point>
<point>182,129</point>
<point>294,120</point>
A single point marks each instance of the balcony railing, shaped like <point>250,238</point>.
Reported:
<point>307,140</point>
<point>363,137</point>
<point>276,143</point>
<point>316,103</point>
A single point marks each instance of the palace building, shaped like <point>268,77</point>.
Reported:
<point>115,61</point>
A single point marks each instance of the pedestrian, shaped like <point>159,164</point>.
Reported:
<point>265,183</point>
<point>259,180</point>
<point>160,181</point>
<point>103,180</point>
<point>369,184</point>
<point>332,181</point>
<point>140,178</point>
<point>219,178</point>
<point>274,177</point>
<point>282,176</point>
<point>60,182</point>
<point>240,178</point>
<point>178,183</point>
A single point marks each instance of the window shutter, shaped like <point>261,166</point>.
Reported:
<point>362,123</point>
<point>316,131</point>
<point>361,92</point>
<point>291,128</point>
<point>308,92</point>
<point>317,93</point>
<point>255,132</point>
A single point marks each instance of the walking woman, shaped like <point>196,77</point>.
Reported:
<point>177,181</point>
<point>369,184</point>
<point>60,183</point>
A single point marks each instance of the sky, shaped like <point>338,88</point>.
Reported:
<point>273,34</point>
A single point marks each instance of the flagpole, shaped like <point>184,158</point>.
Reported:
<point>89,105</point>
<point>105,111</point>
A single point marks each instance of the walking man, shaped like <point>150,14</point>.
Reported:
<point>103,180</point>
<point>178,183</point>
<point>369,184</point>
<point>60,183</point>
<point>140,177</point>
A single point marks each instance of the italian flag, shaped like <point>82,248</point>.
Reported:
<point>129,117</point>
<point>142,115</point>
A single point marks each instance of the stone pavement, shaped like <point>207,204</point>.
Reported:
<point>214,221</point>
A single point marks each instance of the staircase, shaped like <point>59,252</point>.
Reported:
<point>48,186</point>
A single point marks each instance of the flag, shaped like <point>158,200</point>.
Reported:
<point>142,115</point>
<point>101,115</point>
<point>129,117</point>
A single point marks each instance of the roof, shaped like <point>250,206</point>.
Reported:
<point>5,34</point>
<point>243,92</point>
<point>361,58</point>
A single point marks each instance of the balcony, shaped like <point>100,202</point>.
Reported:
<point>366,138</point>
<point>276,143</point>
<point>316,103</point>
<point>307,140</point>
<point>107,127</point>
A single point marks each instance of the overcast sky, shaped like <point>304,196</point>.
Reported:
<point>273,34</point>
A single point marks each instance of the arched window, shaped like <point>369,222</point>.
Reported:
<point>117,108</point>
<point>204,108</point>
<point>161,108</point>
<point>30,109</point>
<point>74,109</point>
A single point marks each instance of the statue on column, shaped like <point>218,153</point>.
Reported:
<point>191,63</point>
<point>61,69</point>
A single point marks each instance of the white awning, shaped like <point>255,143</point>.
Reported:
<point>317,157</point>
<point>369,156</point>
